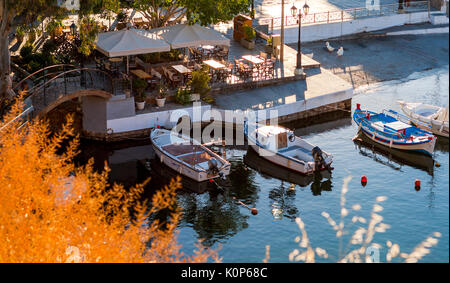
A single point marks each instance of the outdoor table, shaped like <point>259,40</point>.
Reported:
<point>214,64</point>
<point>182,69</point>
<point>253,59</point>
<point>141,74</point>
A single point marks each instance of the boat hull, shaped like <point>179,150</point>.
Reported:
<point>199,176</point>
<point>293,164</point>
<point>437,127</point>
<point>273,170</point>
<point>424,143</point>
<point>185,169</point>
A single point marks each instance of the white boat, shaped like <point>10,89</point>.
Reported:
<point>280,146</point>
<point>427,117</point>
<point>187,156</point>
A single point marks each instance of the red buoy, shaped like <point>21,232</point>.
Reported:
<point>417,184</point>
<point>364,180</point>
<point>158,126</point>
<point>254,211</point>
<point>211,180</point>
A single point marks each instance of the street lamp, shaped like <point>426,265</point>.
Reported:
<point>73,28</point>
<point>299,69</point>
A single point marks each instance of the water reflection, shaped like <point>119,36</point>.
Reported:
<point>442,144</point>
<point>209,209</point>
<point>393,158</point>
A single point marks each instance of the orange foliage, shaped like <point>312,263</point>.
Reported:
<point>53,211</point>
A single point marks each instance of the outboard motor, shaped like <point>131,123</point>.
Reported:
<point>213,166</point>
<point>319,162</point>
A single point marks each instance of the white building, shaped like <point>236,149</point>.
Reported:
<point>69,4</point>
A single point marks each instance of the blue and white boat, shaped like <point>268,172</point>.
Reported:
<point>385,129</point>
<point>280,146</point>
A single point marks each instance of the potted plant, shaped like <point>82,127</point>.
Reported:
<point>139,85</point>
<point>161,97</point>
<point>248,41</point>
<point>269,47</point>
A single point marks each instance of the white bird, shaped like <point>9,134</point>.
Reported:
<point>329,47</point>
<point>340,51</point>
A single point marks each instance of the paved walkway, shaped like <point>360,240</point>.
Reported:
<point>371,60</point>
<point>319,82</point>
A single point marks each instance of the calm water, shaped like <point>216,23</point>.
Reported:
<point>214,216</point>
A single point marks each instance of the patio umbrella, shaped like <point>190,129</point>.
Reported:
<point>182,35</point>
<point>130,42</point>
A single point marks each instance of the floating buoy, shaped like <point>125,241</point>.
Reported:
<point>158,126</point>
<point>417,185</point>
<point>211,180</point>
<point>253,210</point>
<point>438,164</point>
<point>364,180</point>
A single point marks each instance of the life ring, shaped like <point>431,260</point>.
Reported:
<point>291,137</point>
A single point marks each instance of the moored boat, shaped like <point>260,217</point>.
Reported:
<point>280,146</point>
<point>428,117</point>
<point>271,170</point>
<point>187,156</point>
<point>389,131</point>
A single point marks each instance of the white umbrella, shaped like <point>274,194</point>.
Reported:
<point>130,42</point>
<point>181,36</point>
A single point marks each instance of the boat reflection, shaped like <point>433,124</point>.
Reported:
<point>442,144</point>
<point>371,149</point>
<point>320,182</point>
<point>208,209</point>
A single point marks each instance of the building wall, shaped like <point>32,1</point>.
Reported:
<point>332,30</point>
<point>94,114</point>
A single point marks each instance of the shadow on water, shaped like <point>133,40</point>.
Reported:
<point>442,144</point>
<point>208,208</point>
<point>393,158</point>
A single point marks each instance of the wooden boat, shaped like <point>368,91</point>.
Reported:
<point>392,157</point>
<point>280,146</point>
<point>389,131</point>
<point>428,117</point>
<point>187,156</point>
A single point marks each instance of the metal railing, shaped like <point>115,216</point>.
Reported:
<point>347,14</point>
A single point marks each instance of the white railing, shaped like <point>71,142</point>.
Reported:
<point>347,14</point>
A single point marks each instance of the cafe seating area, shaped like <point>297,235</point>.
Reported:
<point>248,68</point>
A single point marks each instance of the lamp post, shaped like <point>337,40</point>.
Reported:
<point>73,28</point>
<point>299,69</point>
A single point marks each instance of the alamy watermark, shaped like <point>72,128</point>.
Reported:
<point>188,123</point>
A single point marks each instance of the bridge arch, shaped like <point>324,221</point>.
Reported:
<point>76,94</point>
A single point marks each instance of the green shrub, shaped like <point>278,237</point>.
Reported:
<point>20,33</point>
<point>26,52</point>
<point>200,81</point>
<point>249,32</point>
<point>183,96</point>
<point>139,85</point>
<point>49,47</point>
